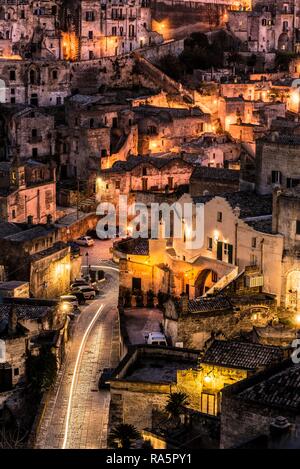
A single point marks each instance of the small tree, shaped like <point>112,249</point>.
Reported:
<point>42,371</point>
<point>123,435</point>
<point>176,403</point>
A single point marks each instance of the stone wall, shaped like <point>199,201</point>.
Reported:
<point>143,397</point>
<point>15,354</point>
<point>242,421</point>
<point>76,228</point>
<point>276,156</point>
<point>154,54</point>
<point>194,329</point>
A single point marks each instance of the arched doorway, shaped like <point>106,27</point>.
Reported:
<point>293,290</point>
<point>283,42</point>
<point>2,91</point>
<point>205,280</point>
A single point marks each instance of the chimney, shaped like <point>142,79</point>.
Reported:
<point>184,303</point>
<point>279,432</point>
<point>30,220</point>
<point>12,321</point>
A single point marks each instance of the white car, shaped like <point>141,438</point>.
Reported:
<point>85,241</point>
<point>156,338</point>
<point>88,292</point>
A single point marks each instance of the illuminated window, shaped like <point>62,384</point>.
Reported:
<point>208,404</point>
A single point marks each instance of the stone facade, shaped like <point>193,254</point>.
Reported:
<point>113,29</point>
<point>127,392</point>
<point>270,26</point>
<point>243,420</point>
<point>277,163</point>
<point>194,329</point>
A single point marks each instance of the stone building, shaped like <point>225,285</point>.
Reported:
<point>35,83</point>
<point>144,379</point>
<point>27,190</point>
<point>237,234</point>
<point>286,215</point>
<point>30,29</point>
<point>148,374</point>
<point>277,163</point>
<point>27,327</point>
<point>119,27</point>
<point>223,364</point>
<point>143,174</point>
<point>28,132</point>
<point>250,407</point>
<point>213,150</point>
<point>192,323</point>
<point>99,129</point>
<point>166,129</point>
<point>33,253</point>
<point>269,27</point>
<point>210,180</point>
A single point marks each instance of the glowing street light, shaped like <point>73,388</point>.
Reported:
<point>297,319</point>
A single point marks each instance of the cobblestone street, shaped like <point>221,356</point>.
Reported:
<point>76,412</point>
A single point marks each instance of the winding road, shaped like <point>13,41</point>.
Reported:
<point>76,413</point>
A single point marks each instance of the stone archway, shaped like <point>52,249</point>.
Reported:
<point>2,91</point>
<point>283,42</point>
<point>293,290</point>
<point>205,280</point>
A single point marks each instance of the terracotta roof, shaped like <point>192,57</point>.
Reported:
<point>134,161</point>
<point>243,355</point>
<point>203,305</point>
<point>137,246</point>
<point>37,231</point>
<point>249,203</point>
<point>216,173</point>
<point>281,389</point>
<point>264,226</point>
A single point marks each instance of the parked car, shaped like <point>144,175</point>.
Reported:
<point>79,283</point>
<point>85,241</point>
<point>69,299</point>
<point>104,377</point>
<point>75,249</point>
<point>88,292</point>
<point>156,338</point>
